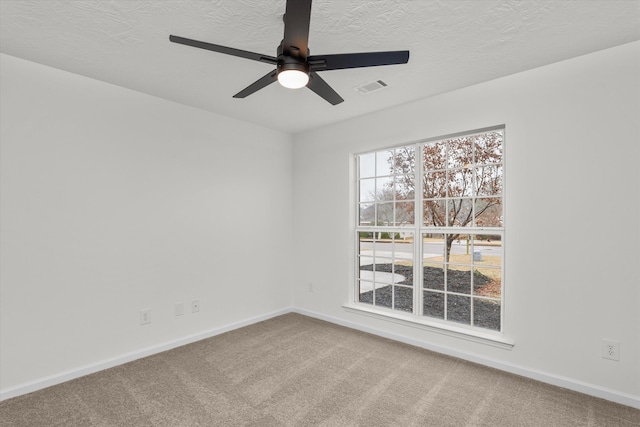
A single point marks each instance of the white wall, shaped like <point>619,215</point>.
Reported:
<point>114,201</point>
<point>572,215</point>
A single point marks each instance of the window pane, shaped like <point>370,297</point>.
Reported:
<point>366,214</point>
<point>435,156</point>
<point>435,185</point>
<point>489,212</point>
<point>459,279</point>
<point>365,267</point>
<point>459,309</point>
<point>487,265</point>
<point>403,272</point>
<point>433,249</point>
<point>404,161</point>
<point>490,248</point>
<point>365,236</point>
<point>433,245</point>
<point>384,214</point>
<point>384,162</point>
<point>382,271</point>
<point>460,183</point>
<point>459,249</point>
<point>487,261</point>
<point>365,241</point>
<point>489,180</point>
<point>382,245</point>
<point>367,165</point>
<point>365,292</point>
<point>435,212</point>
<point>489,147</point>
<point>460,213</point>
<point>433,276</point>
<point>367,190</point>
<point>487,282</point>
<point>384,296</point>
<point>460,152</point>
<point>486,314</point>
<point>384,189</point>
<point>403,247</point>
<point>433,304</point>
<point>405,187</point>
<point>365,253</point>
<point>381,259</point>
<point>403,298</point>
<point>404,213</point>
<point>365,275</point>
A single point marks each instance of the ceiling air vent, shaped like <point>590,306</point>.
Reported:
<point>370,87</point>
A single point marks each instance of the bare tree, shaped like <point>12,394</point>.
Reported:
<point>461,181</point>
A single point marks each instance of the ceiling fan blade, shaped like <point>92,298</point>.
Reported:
<point>357,60</point>
<point>322,88</point>
<point>224,49</point>
<point>262,82</point>
<point>296,28</point>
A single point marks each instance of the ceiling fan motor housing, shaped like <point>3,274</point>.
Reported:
<point>292,60</point>
<point>287,64</point>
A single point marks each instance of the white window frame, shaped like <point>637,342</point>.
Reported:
<point>418,229</point>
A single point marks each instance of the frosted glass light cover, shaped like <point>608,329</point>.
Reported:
<point>293,79</point>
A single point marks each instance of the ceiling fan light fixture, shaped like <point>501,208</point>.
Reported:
<point>295,66</point>
<point>293,79</point>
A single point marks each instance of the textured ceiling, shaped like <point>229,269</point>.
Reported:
<point>453,44</point>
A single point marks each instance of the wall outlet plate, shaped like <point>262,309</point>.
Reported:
<point>610,349</point>
<point>145,316</point>
<point>195,306</point>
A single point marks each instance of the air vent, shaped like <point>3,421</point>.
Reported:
<point>370,87</point>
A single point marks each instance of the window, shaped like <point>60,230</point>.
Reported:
<point>430,230</point>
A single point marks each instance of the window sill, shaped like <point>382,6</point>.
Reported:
<point>494,340</point>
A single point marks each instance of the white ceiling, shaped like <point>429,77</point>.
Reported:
<point>452,43</point>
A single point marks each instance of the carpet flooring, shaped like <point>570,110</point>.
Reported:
<point>293,370</point>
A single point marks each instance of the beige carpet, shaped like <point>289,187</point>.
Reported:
<point>296,371</point>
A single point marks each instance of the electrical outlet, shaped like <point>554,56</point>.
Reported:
<point>179,309</point>
<point>610,350</point>
<point>145,316</point>
<point>195,306</point>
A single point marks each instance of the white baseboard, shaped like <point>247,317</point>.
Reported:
<point>568,383</point>
<point>129,357</point>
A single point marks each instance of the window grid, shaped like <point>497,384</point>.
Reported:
<point>381,264</point>
<point>379,204</point>
<point>469,189</point>
<point>473,267</point>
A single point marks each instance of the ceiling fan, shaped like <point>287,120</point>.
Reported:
<point>295,68</point>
